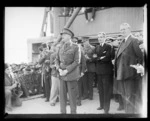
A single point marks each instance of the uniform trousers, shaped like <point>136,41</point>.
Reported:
<point>55,86</point>
<point>43,83</point>
<point>71,88</point>
<point>47,85</point>
<point>105,86</point>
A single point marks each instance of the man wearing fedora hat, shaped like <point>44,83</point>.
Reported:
<point>68,60</point>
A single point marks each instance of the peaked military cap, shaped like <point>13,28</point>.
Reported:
<point>67,31</point>
<point>44,45</point>
<point>40,48</point>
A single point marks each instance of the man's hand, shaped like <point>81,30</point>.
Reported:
<point>63,72</point>
<point>47,61</point>
<point>139,68</point>
<point>113,61</point>
<point>94,55</point>
<point>102,57</point>
<point>87,57</point>
<point>82,74</point>
<point>14,85</point>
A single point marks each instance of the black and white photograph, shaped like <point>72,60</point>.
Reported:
<point>82,61</point>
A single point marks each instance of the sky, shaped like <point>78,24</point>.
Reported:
<point>21,23</point>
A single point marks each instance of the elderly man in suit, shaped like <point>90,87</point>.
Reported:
<point>128,54</point>
<point>104,71</point>
<point>68,61</point>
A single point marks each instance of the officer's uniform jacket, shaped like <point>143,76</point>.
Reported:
<point>43,58</point>
<point>89,51</point>
<point>69,57</point>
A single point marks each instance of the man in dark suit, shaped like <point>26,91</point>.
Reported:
<point>128,54</point>
<point>104,71</point>
<point>68,61</point>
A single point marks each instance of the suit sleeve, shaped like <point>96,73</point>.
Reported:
<point>57,62</point>
<point>112,52</point>
<point>77,58</point>
<point>138,51</point>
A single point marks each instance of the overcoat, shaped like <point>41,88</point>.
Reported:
<point>127,54</point>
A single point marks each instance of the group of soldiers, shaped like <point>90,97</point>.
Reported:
<point>69,69</point>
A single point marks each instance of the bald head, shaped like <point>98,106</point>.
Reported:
<point>125,29</point>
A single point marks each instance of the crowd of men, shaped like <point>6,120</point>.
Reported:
<point>69,69</point>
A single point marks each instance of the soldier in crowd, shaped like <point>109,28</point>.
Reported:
<point>55,82</point>
<point>23,83</point>
<point>11,99</point>
<point>128,54</point>
<point>88,78</point>
<point>104,71</point>
<point>19,78</point>
<point>44,61</point>
<point>28,80</point>
<point>68,60</point>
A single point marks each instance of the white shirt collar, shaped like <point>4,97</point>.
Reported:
<point>127,37</point>
<point>102,44</point>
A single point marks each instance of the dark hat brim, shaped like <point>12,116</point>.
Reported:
<point>67,31</point>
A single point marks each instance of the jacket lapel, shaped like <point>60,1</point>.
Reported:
<point>122,48</point>
<point>101,48</point>
<point>67,47</point>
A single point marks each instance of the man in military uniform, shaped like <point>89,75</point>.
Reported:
<point>88,78</point>
<point>68,60</point>
<point>46,81</point>
<point>10,85</point>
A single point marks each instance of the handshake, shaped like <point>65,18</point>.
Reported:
<point>62,72</point>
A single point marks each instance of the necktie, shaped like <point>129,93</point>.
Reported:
<point>123,41</point>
